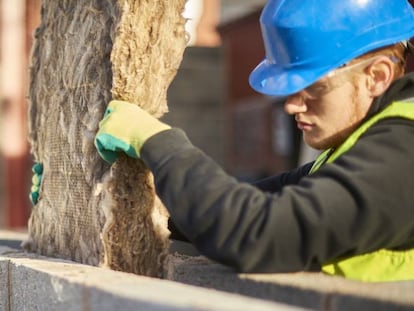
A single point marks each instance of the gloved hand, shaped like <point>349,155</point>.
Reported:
<point>37,170</point>
<point>125,128</point>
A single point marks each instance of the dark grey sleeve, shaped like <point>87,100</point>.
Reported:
<point>359,203</point>
<point>276,183</point>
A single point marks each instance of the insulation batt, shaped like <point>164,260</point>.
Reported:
<point>85,54</point>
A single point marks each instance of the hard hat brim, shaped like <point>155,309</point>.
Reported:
<point>273,80</point>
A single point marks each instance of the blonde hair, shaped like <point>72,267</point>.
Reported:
<point>397,53</point>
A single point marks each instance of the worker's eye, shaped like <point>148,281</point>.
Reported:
<point>317,90</point>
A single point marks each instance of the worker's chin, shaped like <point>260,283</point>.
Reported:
<point>321,142</point>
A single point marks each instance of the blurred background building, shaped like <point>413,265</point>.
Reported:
<point>18,19</point>
<point>247,133</point>
<point>212,101</point>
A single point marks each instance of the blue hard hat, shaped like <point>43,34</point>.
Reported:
<point>304,40</point>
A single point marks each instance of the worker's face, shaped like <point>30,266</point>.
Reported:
<point>329,110</point>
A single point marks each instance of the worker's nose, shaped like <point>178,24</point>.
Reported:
<point>295,104</point>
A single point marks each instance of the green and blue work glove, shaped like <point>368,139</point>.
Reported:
<point>124,129</point>
<point>37,170</point>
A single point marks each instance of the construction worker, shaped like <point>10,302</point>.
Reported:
<point>340,67</point>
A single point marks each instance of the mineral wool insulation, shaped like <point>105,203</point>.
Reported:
<point>86,53</point>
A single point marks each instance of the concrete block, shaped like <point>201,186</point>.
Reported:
<point>307,290</point>
<point>39,283</point>
<point>9,243</point>
<point>32,282</point>
<point>32,289</point>
<point>4,285</point>
<point>160,295</point>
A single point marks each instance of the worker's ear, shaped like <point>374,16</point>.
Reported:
<point>380,74</point>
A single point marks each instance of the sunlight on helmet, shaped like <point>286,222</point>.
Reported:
<point>362,2</point>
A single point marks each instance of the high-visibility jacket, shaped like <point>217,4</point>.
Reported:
<point>383,264</point>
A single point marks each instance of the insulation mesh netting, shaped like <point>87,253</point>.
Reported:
<point>85,54</point>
